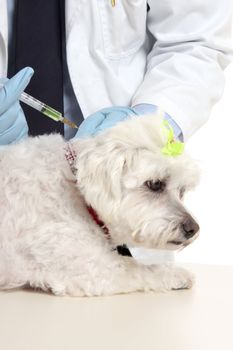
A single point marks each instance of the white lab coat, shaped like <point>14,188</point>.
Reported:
<point>172,56</point>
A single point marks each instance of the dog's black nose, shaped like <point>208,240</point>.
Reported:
<point>190,228</point>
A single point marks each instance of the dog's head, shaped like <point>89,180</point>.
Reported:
<point>136,190</point>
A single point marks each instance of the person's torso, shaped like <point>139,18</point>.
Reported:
<point>106,46</point>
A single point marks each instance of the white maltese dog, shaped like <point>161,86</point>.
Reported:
<point>66,206</point>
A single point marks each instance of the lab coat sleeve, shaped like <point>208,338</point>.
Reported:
<point>192,45</point>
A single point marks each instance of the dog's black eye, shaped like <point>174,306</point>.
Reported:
<point>156,186</point>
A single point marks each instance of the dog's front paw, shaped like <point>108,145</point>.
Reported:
<point>181,278</point>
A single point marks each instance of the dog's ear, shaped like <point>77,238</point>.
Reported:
<point>101,166</point>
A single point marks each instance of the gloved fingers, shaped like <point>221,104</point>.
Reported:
<point>119,109</point>
<point>114,117</point>
<point>19,128</point>
<point>111,120</point>
<point>22,135</point>
<point>103,119</point>
<point>14,87</point>
<point>89,125</point>
<point>8,118</point>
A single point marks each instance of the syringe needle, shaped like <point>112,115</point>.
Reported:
<point>68,122</point>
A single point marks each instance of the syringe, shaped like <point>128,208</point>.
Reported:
<point>45,109</point>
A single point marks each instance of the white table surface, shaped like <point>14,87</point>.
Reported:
<point>184,320</point>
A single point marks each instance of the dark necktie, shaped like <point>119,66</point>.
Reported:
<point>39,31</point>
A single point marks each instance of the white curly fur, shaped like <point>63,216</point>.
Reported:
<point>48,239</point>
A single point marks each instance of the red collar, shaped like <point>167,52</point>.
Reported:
<point>71,157</point>
<point>99,222</point>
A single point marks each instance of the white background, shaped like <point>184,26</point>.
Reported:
<point>212,201</point>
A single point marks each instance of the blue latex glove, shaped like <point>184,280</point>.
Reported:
<point>13,125</point>
<point>103,119</point>
<point>108,117</point>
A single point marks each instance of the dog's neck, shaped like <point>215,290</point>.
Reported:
<point>71,157</point>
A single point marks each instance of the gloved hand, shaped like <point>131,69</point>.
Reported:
<point>104,119</point>
<point>13,125</point>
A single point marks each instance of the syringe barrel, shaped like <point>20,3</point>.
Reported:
<point>32,101</point>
